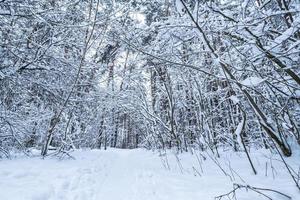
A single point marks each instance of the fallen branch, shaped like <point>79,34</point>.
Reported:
<point>232,193</point>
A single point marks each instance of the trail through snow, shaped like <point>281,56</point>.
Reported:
<point>130,175</point>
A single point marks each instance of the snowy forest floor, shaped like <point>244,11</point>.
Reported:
<point>143,175</point>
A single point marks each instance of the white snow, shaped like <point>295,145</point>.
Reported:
<point>141,175</point>
<point>179,7</point>
<point>238,132</point>
<point>252,81</point>
<point>234,99</point>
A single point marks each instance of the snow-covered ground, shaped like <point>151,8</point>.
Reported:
<point>142,175</point>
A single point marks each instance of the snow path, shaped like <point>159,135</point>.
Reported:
<point>112,174</point>
<point>127,175</point>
